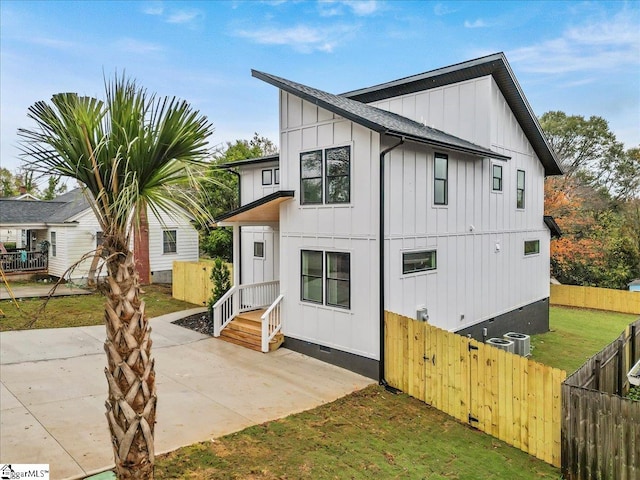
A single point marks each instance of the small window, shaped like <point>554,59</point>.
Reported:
<point>531,247</point>
<point>311,177</point>
<point>338,175</point>
<point>413,262</point>
<point>267,177</point>
<point>311,276</point>
<point>258,249</point>
<point>169,244</point>
<point>54,244</point>
<point>440,180</point>
<point>497,178</point>
<point>276,176</point>
<point>338,280</point>
<point>520,189</point>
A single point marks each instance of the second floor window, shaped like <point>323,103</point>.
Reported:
<point>520,190</point>
<point>325,176</point>
<point>497,178</point>
<point>441,179</point>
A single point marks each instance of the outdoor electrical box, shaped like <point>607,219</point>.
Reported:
<point>422,314</point>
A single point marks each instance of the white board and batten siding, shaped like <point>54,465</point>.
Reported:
<point>479,236</point>
<point>346,228</point>
<point>266,268</point>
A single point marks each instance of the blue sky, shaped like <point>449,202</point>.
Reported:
<point>579,57</point>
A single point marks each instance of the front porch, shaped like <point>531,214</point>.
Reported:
<point>23,261</point>
<point>249,315</point>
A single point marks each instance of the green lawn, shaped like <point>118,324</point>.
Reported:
<point>576,335</point>
<point>368,434</point>
<point>81,310</point>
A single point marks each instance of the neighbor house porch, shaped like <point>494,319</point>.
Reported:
<point>249,314</point>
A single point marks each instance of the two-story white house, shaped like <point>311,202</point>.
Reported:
<point>423,196</point>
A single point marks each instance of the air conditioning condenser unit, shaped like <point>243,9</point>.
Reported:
<point>521,341</point>
<point>502,344</point>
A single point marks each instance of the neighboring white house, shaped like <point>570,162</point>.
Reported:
<point>71,229</point>
<point>422,196</point>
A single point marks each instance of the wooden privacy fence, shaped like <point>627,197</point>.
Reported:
<point>191,282</point>
<point>621,301</point>
<point>507,396</point>
<point>600,428</point>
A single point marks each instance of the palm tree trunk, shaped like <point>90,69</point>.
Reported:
<point>131,404</point>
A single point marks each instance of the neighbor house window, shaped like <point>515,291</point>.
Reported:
<point>422,261</point>
<point>326,278</point>
<point>497,178</point>
<point>169,244</point>
<point>54,244</point>
<point>258,249</point>
<point>267,177</point>
<point>276,176</point>
<point>327,181</point>
<point>531,247</point>
<point>338,280</point>
<point>312,276</point>
<point>441,179</point>
<point>520,189</point>
<point>311,177</point>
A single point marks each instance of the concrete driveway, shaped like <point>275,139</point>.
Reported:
<point>53,391</point>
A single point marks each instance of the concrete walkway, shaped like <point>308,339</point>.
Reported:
<point>53,390</point>
<point>33,291</point>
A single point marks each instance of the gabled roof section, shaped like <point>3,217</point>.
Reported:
<point>495,65</point>
<point>251,161</point>
<point>265,209</point>
<point>376,119</point>
<point>58,210</point>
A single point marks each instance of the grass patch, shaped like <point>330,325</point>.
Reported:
<point>368,434</point>
<point>81,310</point>
<point>576,335</point>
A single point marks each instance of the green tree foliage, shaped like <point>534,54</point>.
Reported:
<point>221,188</point>
<point>8,186</point>
<point>54,188</point>
<point>221,279</point>
<point>595,203</point>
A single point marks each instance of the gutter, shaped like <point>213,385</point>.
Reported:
<point>381,378</point>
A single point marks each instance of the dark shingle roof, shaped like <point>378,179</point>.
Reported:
<point>495,65</point>
<point>251,161</point>
<point>58,210</point>
<point>376,119</point>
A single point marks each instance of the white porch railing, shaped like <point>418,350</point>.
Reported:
<point>271,323</point>
<point>243,299</point>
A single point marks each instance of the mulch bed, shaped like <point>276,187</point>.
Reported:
<point>199,322</point>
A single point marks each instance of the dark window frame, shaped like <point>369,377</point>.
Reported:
<point>168,242</point>
<point>438,180</point>
<point>406,271</point>
<point>258,249</point>
<point>303,276</point>
<point>303,179</point>
<point>536,247</point>
<point>328,178</point>
<point>495,177</point>
<point>276,176</point>
<point>269,179</point>
<point>328,278</point>
<point>520,190</point>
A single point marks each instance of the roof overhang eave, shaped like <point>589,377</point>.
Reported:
<point>448,146</point>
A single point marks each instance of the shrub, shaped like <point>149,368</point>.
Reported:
<point>221,280</point>
<point>218,243</point>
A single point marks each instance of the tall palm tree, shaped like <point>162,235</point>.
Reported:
<point>130,152</point>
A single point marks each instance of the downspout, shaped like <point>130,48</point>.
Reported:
<point>382,380</point>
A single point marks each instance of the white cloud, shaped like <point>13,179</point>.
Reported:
<point>609,44</point>
<point>183,16</point>
<point>153,8</point>
<point>302,38</point>
<point>444,9</point>
<point>132,45</point>
<point>479,23</point>
<point>360,8</point>
<point>51,42</point>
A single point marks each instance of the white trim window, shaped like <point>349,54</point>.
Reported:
<point>54,244</point>
<point>325,278</point>
<point>327,181</point>
<point>421,261</point>
<point>169,241</point>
